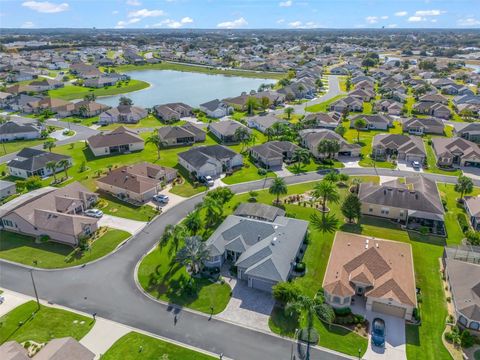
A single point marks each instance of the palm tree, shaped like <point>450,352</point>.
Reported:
<point>278,187</point>
<point>83,111</point>
<point>359,124</point>
<point>49,144</point>
<point>52,166</point>
<point>213,210</point>
<point>264,103</point>
<point>327,191</point>
<point>156,141</point>
<point>327,223</point>
<point>251,104</point>
<point>464,185</point>
<point>242,135</point>
<point>288,111</point>
<point>90,97</point>
<point>64,164</point>
<point>301,155</point>
<point>46,114</point>
<point>193,222</point>
<point>167,235</point>
<point>125,101</point>
<point>193,254</point>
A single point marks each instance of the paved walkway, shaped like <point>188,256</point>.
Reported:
<point>12,300</point>
<point>58,135</point>
<point>174,199</point>
<point>115,222</point>
<point>103,335</point>
<point>248,307</point>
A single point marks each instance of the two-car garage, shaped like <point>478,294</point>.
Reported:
<point>389,309</point>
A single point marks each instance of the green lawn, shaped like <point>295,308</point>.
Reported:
<point>323,107</point>
<point>432,163</point>
<point>25,323</point>
<point>80,120</point>
<point>70,91</point>
<point>200,69</point>
<point>51,255</point>
<point>149,122</point>
<point>113,206</point>
<point>135,346</point>
<point>165,279</point>
<point>15,146</point>
<point>314,166</point>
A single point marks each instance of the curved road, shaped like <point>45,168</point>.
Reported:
<point>108,288</point>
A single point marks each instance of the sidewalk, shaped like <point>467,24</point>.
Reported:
<point>103,335</point>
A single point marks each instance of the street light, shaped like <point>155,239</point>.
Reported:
<point>359,354</point>
<point>33,283</point>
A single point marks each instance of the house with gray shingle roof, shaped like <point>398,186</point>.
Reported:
<point>30,162</point>
<point>263,252</point>
<point>225,130</point>
<point>182,135</point>
<point>7,188</point>
<point>10,131</point>
<point>373,121</point>
<point>258,211</point>
<point>311,138</point>
<point>421,126</point>
<point>468,131</point>
<point>264,122</point>
<point>456,152</point>
<point>272,154</point>
<point>472,206</point>
<point>404,147</point>
<point>216,108</point>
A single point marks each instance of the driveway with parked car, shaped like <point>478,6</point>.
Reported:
<point>115,222</point>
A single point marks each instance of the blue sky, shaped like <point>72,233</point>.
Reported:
<point>285,14</point>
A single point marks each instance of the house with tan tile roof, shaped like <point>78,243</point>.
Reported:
<point>377,271</point>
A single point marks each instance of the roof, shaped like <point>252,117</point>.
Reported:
<point>312,137</point>
<point>175,132</point>
<point>32,159</point>
<point>226,127</point>
<point>11,127</point>
<point>385,266</point>
<point>259,211</point>
<point>119,136</point>
<point>464,279</point>
<point>374,118</point>
<point>6,184</point>
<point>268,249</point>
<point>266,121</point>
<point>200,155</point>
<point>138,178</point>
<point>473,205</point>
<point>402,143</point>
<point>213,105</point>
<point>455,146</point>
<point>12,350</point>
<point>64,348</point>
<point>416,194</point>
<point>425,122</point>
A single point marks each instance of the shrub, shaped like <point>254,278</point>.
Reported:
<point>416,314</point>
<point>262,172</point>
<point>462,220</point>
<point>303,336</point>
<point>300,267</point>
<point>467,339</point>
<point>285,292</point>
<point>342,311</point>
<point>473,237</point>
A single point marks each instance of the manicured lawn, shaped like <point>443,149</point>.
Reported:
<point>366,139</point>
<point>322,107</point>
<point>15,146</point>
<point>135,346</point>
<point>249,172</point>
<point>367,108</point>
<point>149,122</point>
<point>70,92</point>
<point>51,255</point>
<point>113,206</point>
<point>43,325</point>
<point>314,166</point>
<point>165,279</point>
<point>343,83</point>
<point>200,69</point>
<point>432,163</point>
<point>83,121</point>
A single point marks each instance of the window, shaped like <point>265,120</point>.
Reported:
<point>463,320</point>
<point>474,325</point>
<point>385,211</point>
<point>370,209</point>
<point>7,223</point>
<point>336,300</point>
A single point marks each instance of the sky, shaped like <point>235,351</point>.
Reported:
<point>240,14</point>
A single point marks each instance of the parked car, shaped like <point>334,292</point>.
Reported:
<point>378,332</point>
<point>208,180</point>
<point>160,198</point>
<point>94,213</point>
<point>416,165</point>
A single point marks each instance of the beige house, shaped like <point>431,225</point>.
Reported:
<point>138,182</point>
<point>54,212</point>
<point>456,151</point>
<point>419,126</point>
<point>121,140</point>
<point>311,138</point>
<point>376,271</point>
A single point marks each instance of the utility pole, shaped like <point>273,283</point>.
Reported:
<point>34,286</point>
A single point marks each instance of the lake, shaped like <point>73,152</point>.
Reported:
<point>191,88</point>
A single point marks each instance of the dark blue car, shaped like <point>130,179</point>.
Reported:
<point>378,332</point>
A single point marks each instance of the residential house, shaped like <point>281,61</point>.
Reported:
<point>456,152</point>
<point>88,109</point>
<point>434,98</point>
<point>32,162</point>
<point>321,120</point>
<point>45,84</point>
<point>20,102</point>
<point>172,111</point>
<point>216,108</point>
<point>391,107</point>
<point>52,104</point>
<point>272,154</point>
<point>415,203</point>
<point>54,212</point>
<point>469,131</point>
<point>263,252</point>
<point>7,188</point>
<point>349,103</point>
<point>374,121</point>
<point>225,130</point>
<point>421,126</point>
<point>462,273</point>
<point>210,160</point>
<point>363,94</point>
<point>119,141</point>
<point>258,211</point>
<point>138,182</point>
<point>310,138</point>
<point>378,273</point>
<point>5,99</point>
<point>100,82</point>
<point>472,206</point>
<point>181,135</point>
<point>127,114</point>
<point>434,109</point>
<point>403,147</point>
<point>264,122</point>
<point>240,102</point>
<point>10,131</point>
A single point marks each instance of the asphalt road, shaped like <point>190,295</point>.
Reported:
<point>108,288</point>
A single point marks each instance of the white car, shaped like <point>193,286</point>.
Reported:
<point>161,198</point>
<point>416,165</point>
<point>209,180</point>
<point>94,213</point>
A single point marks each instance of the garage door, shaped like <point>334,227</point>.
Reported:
<point>389,309</point>
<point>411,158</point>
<point>261,285</point>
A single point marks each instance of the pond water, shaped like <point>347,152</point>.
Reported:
<point>475,68</point>
<point>191,88</point>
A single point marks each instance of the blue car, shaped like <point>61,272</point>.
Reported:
<point>378,332</point>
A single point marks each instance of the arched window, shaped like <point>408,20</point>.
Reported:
<point>463,320</point>
<point>474,325</point>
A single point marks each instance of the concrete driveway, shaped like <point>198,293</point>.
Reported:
<point>248,307</point>
<point>405,166</point>
<point>115,222</point>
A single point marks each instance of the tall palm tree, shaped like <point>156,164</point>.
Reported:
<point>49,144</point>
<point>193,222</point>
<point>359,124</point>
<point>213,210</point>
<point>52,166</point>
<point>464,185</point>
<point>327,191</point>
<point>278,187</point>
<point>242,135</point>
<point>193,254</point>
<point>301,155</point>
<point>326,223</point>
<point>288,111</point>
<point>166,236</point>
<point>64,164</point>
<point>154,139</point>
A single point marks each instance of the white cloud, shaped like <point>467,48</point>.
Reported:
<point>234,24</point>
<point>468,22</point>
<point>143,13</point>
<point>392,26</point>
<point>28,25</point>
<point>371,19</point>
<point>287,3</point>
<point>384,17</point>
<point>45,6</point>
<point>280,21</point>
<point>429,12</point>
<point>121,24</point>
<point>416,19</point>
<point>295,24</point>
<point>134,3</point>
<point>300,25</point>
<point>401,13</point>
<point>174,24</point>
